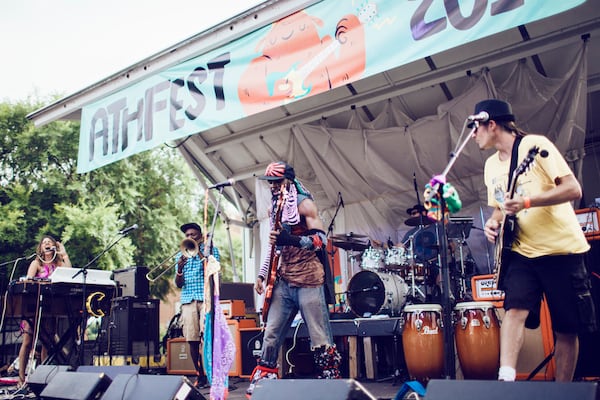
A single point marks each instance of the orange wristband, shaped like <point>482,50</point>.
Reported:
<point>526,202</point>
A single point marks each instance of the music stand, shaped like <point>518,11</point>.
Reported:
<point>459,227</point>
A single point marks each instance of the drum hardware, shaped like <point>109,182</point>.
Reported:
<point>458,228</point>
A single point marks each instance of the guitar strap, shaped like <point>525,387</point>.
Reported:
<point>513,159</point>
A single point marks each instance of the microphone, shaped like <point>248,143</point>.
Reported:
<point>341,200</point>
<point>228,182</point>
<point>128,229</point>
<point>481,117</point>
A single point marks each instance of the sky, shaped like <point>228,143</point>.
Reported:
<point>50,47</point>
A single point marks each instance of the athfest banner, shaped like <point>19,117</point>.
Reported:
<point>329,44</point>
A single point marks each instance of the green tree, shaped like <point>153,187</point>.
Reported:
<point>41,192</point>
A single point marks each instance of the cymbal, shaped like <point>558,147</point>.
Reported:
<point>348,236</point>
<point>350,245</point>
<point>419,221</point>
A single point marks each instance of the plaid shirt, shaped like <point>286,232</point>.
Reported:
<point>193,276</point>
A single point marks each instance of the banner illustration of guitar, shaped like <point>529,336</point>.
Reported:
<point>275,254</point>
<point>509,226</point>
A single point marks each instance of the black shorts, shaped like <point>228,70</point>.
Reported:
<point>563,279</point>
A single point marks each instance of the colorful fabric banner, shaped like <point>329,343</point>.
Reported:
<point>327,45</point>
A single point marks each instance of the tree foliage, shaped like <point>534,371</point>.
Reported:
<point>41,193</point>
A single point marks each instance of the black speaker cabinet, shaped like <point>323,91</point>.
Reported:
<point>251,348</point>
<point>151,387</point>
<point>76,386</point>
<point>42,375</point>
<point>443,389</point>
<point>133,327</point>
<point>111,370</point>
<point>589,343</point>
<point>311,389</point>
<point>132,282</point>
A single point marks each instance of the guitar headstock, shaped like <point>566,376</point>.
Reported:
<point>528,161</point>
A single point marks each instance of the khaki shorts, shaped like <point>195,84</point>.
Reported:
<point>192,315</point>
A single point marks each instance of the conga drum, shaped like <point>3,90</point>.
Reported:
<point>423,341</point>
<point>477,335</point>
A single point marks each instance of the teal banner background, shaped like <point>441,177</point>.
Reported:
<point>329,44</point>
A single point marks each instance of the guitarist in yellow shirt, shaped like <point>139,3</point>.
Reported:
<point>544,256</point>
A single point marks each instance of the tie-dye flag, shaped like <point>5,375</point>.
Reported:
<point>219,348</point>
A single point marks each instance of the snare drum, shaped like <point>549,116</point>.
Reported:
<point>423,341</point>
<point>371,293</point>
<point>372,259</point>
<point>477,334</point>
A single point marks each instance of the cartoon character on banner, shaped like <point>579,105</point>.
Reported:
<point>295,61</point>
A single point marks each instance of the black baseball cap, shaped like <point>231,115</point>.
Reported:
<point>416,207</point>
<point>189,225</point>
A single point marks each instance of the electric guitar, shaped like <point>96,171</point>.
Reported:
<point>509,227</point>
<point>275,255</point>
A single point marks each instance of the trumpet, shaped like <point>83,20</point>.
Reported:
<point>188,247</point>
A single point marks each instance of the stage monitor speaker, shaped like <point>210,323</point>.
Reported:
<point>151,387</point>
<point>111,370</point>
<point>42,375</point>
<point>443,389</point>
<point>76,386</point>
<point>310,389</point>
<point>133,330</point>
<point>132,282</point>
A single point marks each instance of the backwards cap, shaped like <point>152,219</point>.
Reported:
<point>278,170</point>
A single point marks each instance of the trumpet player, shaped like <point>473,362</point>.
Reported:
<point>189,277</point>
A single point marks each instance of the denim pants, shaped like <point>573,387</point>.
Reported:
<point>285,303</point>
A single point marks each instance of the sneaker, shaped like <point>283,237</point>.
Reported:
<point>259,373</point>
<point>201,382</point>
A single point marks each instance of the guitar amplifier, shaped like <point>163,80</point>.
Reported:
<point>483,290</point>
<point>233,308</point>
<point>588,219</point>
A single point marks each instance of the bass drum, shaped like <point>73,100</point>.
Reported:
<point>371,293</point>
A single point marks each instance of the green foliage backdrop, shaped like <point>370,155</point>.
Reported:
<point>41,193</point>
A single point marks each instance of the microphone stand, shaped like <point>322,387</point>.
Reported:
<point>208,249</point>
<point>10,279</point>
<point>439,181</point>
<point>332,253</point>
<point>84,314</point>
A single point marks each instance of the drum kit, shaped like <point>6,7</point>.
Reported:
<point>392,282</point>
<point>389,276</point>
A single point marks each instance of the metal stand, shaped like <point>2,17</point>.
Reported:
<point>439,181</point>
<point>84,313</point>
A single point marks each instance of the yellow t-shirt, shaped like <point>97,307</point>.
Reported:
<point>550,230</point>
